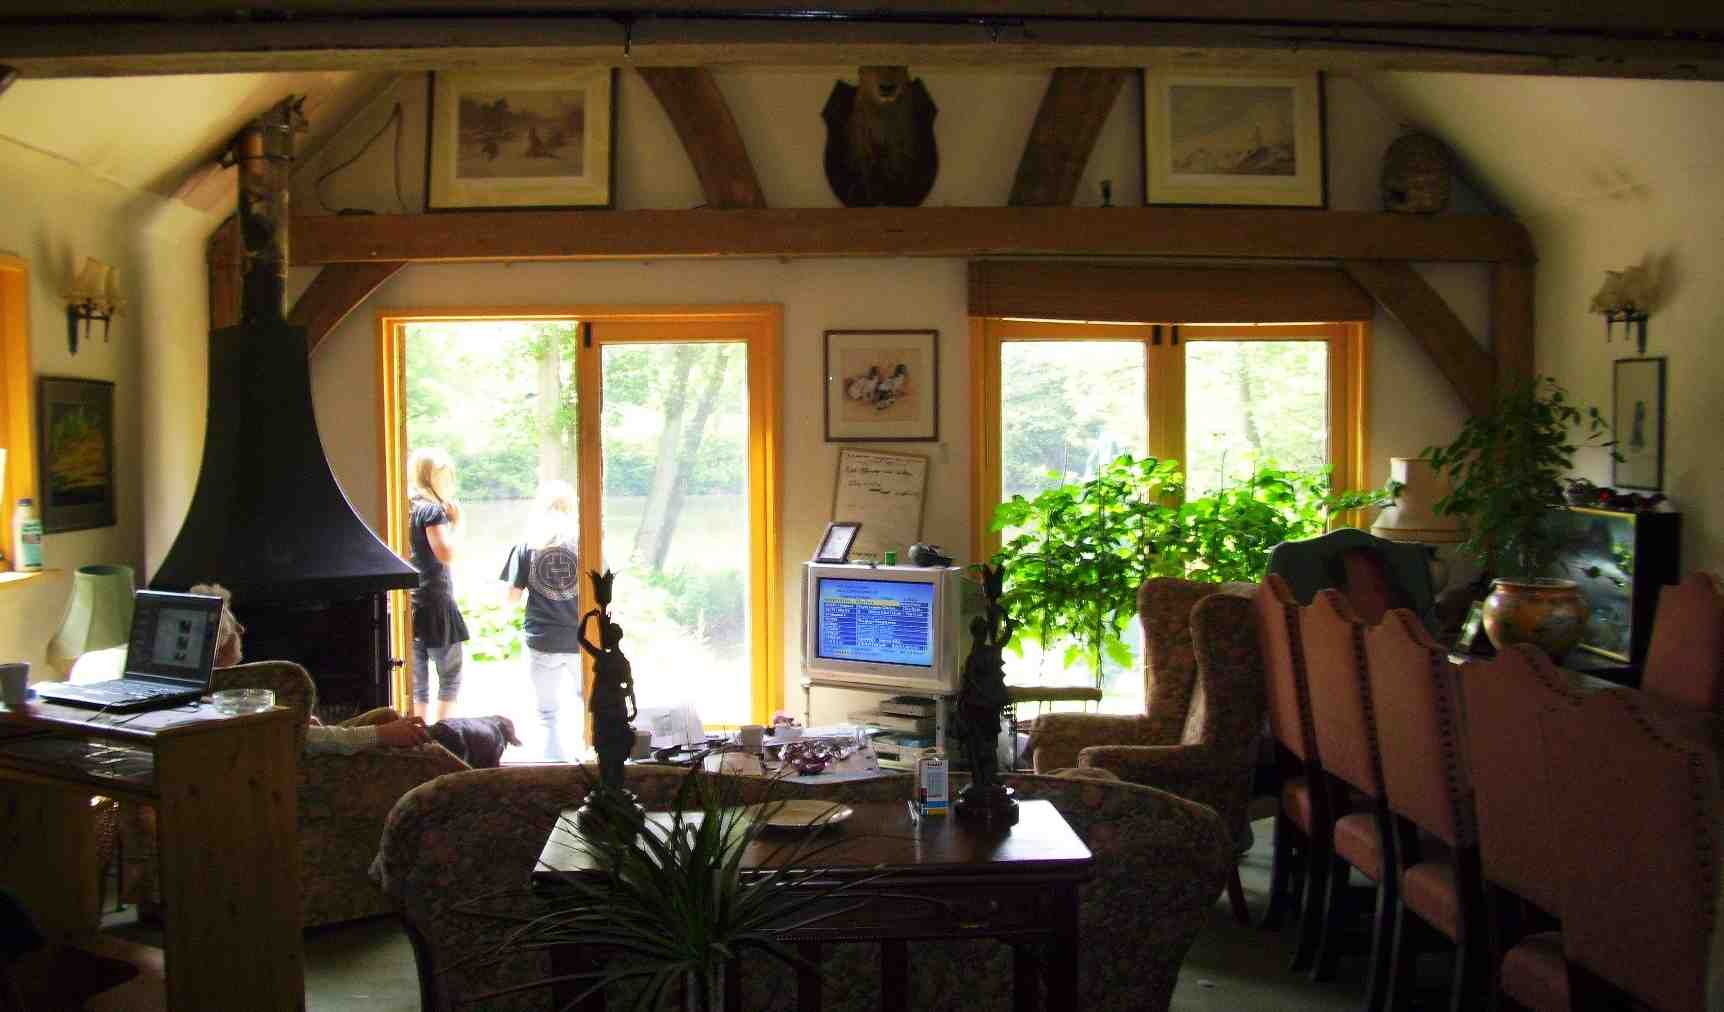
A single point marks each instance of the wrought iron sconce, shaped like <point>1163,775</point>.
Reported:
<point>94,295</point>
<point>1626,297</point>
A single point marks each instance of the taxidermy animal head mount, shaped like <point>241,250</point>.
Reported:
<point>1626,297</point>
<point>880,139</point>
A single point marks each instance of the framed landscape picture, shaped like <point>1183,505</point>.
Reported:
<point>1639,423</point>
<point>538,138</point>
<point>75,426</point>
<point>1215,137</point>
<point>882,386</point>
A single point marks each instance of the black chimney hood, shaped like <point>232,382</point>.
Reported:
<point>268,519</point>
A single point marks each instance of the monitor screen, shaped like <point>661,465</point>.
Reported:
<point>180,635</point>
<point>876,621</point>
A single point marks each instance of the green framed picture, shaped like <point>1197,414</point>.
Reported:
<point>75,435</point>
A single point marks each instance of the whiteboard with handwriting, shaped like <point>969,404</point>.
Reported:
<point>883,492</point>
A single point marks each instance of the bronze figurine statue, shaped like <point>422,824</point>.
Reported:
<point>981,699</point>
<point>612,706</point>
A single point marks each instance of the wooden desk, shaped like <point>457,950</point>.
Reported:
<point>224,790</point>
<point>1020,887</point>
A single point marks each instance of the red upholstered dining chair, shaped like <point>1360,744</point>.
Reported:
<point>1685,660</point>
<point>1333,638</point>
<point>1504,699</point>
<point>1413,698</point>
<point>1636,797</point>
<point>1302,818</point>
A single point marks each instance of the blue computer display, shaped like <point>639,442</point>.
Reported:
<point>876,621</point>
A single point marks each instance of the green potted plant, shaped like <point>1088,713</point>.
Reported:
<point>1508,468</point>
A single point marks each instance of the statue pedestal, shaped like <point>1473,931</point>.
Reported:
<point>610,811</point>
<point>989,809</point>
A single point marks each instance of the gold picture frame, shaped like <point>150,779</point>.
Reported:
<point>519,139</point>
<point>1234,138</point>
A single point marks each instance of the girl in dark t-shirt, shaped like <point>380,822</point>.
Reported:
<point>546,570</point>
<point>434,528</point>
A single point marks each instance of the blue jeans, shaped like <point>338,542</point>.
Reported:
<point>547,671</point>
<point>448,672</point>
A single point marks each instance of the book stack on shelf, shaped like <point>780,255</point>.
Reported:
<point>907,726</point>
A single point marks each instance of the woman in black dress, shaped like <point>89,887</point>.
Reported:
<point>434,519</point>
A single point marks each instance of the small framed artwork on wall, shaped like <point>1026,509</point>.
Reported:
<point>539,138</point>
<point>1227,137</point>
<point>75,428</point>
<point>882,386</point>
<point>1638,406</point>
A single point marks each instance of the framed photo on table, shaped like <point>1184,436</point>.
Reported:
<point>1638,418</point>
<point>1221,137</point>
<point>537,138</point>
<point>75,430</point>
<point>882,386</point>
<point>835,543</point>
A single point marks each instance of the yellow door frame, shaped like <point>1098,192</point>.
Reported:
<point>759,326</point>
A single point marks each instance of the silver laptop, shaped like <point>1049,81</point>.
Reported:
<point>168,658</point>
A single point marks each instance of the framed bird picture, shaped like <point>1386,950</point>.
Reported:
<point>882,386</point>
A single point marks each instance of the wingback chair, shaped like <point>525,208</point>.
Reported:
<point>1211,760</point>
<point>458,854</point>
<point>343,801</point>
<point>1169,680</point>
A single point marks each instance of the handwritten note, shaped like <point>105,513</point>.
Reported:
<point>883,492</point>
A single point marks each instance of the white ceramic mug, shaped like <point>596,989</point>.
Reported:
<point>749,736</point>
<point>14,682</point>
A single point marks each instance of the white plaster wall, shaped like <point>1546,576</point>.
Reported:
<point>984,118</point>
<point>1607,173</point>
<point>53,212</point>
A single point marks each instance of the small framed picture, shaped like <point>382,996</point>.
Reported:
<point>76,454</point>
<point>1231,137</point>
<point>521,138</point>
<point>882,386</point>
<point>835,543</point>
<point>1639,423</point>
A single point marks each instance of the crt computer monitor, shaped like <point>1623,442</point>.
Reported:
<point>892,627</point>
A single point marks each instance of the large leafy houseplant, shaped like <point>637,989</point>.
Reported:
<point>1078,552</point>
<point>1507,467</point>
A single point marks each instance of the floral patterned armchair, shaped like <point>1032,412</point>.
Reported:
<point>458,854</point>
<point>1169,681</point>
<point>343,802</point>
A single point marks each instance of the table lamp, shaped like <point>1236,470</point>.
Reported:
<point>1413,515</point>
<point>98,615</point>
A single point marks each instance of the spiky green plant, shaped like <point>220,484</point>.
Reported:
<point>671,904</point>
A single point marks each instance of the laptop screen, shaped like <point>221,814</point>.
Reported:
<point>173,637</point>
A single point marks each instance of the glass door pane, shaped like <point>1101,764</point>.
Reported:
<point>1066,409</point>
<point>1254,404</point>
<point>675,519</point>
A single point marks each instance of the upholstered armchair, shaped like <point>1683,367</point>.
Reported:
<point>1169,681</point>
<point>343,802</point>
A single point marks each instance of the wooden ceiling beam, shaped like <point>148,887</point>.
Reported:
<point>7,76</point>
<point>1072,113</point>
<point>1409,298</point>
<point>337,291</point>
<point>709,135</point>
<point>1512,322</point>
<point>111,40</point>
<point>1249,233</point>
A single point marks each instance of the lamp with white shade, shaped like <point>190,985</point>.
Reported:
<point>93,295</point>
<point>98,615</point>
<point>1413,516</point>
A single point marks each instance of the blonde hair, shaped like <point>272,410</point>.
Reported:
<point>229,631</point>
<point>432,474</point>
<point>555,520</point>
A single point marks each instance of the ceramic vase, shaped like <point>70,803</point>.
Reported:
<point>1550,614</point>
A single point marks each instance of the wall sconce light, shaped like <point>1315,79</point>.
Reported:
<point>1626,297</point>
<point>94,295</point>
